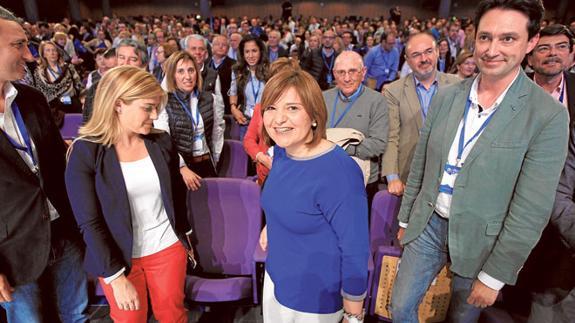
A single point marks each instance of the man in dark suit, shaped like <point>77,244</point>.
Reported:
<point>275,51</point>
<point>223,65</point>
<point>550,59</point>
<point>40,249</point>
<point>546,286</point>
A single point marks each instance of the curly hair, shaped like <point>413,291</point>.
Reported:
<point>241,68</point>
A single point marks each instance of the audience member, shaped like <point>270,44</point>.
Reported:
<point>409,99</point>
<point>485,137</point>
<point>40,250</point>
<point>249,76</point>
<point>194,120</point>
<point>317,177</point>
<point>352,105</point>
<point>129,200</point>
<point>382,62</point>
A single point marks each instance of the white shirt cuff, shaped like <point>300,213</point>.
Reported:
<point>490,281</point>
<point>403,225</point>
<point>110,279</point>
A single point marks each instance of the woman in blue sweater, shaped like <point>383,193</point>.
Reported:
<point>316,211</point>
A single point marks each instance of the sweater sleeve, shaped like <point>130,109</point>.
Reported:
<point>344,204</point>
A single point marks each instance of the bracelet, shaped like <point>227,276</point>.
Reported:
<point>354,318</point>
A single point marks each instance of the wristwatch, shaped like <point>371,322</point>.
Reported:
<point>354,318</point>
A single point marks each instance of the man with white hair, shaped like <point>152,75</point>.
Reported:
<point>275,51</point>
<point>352,105</point>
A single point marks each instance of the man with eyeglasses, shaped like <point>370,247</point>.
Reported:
<point>550,59</point>
<point>409,99</point>
<point>352,105</point>
<point>546,285</point>
<point>328,55</point>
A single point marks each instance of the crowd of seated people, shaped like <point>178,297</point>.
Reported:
<point>391,86</point>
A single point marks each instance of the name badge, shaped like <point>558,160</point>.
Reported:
<point>66,99</point>
<point>329,78</point>
<point>387,71</point>
<point>198,144</point>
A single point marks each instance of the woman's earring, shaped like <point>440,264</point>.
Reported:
<point>314,125</point>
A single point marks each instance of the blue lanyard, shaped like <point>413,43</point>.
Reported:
<point>330,66</point>
<point>462,144</point>
<point>189,112</point>
<point>54,75</point>
<point>384,58</point>
<point>254,91</point>
<point>352,98</point>
<point>24,133</point>
<point>273,56</point>
<point>426,109</point>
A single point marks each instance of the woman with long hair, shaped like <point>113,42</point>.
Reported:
<point>195,122</point>
<point>249,76</point>
<point>129,200</point>
<point>58,81</point>
<point>444,61</point>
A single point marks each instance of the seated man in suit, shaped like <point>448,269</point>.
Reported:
<point>550,60</point>
<point>408,100</point>
<point>275,50</point>
<point>223,65</point>
<point>483,177</point>
<point>41,276</point>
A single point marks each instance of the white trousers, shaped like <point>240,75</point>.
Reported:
<point>274,312</point>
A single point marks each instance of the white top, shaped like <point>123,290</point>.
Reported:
<point>151,228</point>
<point>10,127</point>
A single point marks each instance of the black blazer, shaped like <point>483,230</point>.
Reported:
<point>100,202</point>
<point>225,73</point>
<point>282,52</point>
<point>25,227</point>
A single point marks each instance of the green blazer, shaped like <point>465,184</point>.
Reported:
<point>504,192</point>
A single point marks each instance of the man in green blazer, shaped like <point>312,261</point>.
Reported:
<point>483,176</point>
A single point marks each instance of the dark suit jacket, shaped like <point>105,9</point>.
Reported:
<point>282,52</point>
<point>570,79</point>
<point>100,202</point>
<point>225,73</point>
<point>25,227</point>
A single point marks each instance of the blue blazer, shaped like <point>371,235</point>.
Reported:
<point>99,199</point>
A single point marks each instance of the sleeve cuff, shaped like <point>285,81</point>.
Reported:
<point>391,177</point>
<point>110,279</point>
<point>182,162</point>
<point>490,281</point>
<point>403,224</point>
<point>353,298</point>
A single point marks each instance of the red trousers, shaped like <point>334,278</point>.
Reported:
<point>162,275</point>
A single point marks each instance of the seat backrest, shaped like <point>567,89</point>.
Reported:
<point>384,223</point>
<point>232,130</point>
<point>233,160</point>
<point>226,216</point>
<point>72,122</point>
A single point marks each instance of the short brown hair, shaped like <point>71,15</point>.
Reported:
<point>310,94</point>
<point>170,69</point>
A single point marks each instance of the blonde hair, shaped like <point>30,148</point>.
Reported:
<point>309,92</point>
<point>43,62</point>
<point>170,70</point>
<point>125,84</point>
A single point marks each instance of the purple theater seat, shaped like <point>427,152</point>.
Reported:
<point>232,130</point>
<point>226,216</point>
<point>72,122</point>
<point>233,160</point>
<point>382,232</point>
